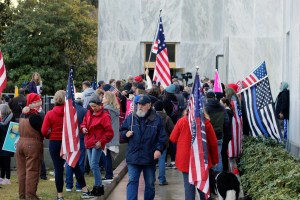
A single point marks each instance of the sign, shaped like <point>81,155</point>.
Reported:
<point>12,137</point>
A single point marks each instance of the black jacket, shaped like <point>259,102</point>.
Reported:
<point>282,104</point>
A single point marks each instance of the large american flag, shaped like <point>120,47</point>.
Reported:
<point>235,144</point>
<point>198,168</point>
<point>258,74</point>
<point>70,136</point>
<point>162,68</point>
<point>3,79</point>
<point>260,110</point>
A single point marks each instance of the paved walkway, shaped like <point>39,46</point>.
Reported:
<point>173,191</point>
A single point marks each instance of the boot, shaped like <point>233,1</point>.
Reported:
<point>98,190</point>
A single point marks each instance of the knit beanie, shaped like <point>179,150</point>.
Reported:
<point>95,99</point>
<point>33,103</point>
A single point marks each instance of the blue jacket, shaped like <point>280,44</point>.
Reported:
<point>148,136</point>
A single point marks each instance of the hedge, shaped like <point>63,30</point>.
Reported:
<point>268,171</point>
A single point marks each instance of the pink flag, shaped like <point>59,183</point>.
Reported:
<point>217,83</point>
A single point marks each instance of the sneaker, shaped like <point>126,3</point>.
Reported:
<point>78,190</point>
<point>68,189</point>
<point>6,182</point>
<point>172,166</point>
<point>59,198</point>
<point>1,181</point>
<point>87,195</point>
<point>107,179</point>
<point>164,183</point>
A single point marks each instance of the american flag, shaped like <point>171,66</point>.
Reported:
<point>260,111</point>
<point>70,135</point>
<point>217,83</point>
<point>114,90</point>
<point>235,144</point>
<point>258,74</point>
<point>162,68</point>
<point>240,86</point>
<point>198,168</point>
<point>3,79</point>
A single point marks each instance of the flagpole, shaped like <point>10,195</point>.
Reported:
<point>244,89</point>
<point>154,37</point>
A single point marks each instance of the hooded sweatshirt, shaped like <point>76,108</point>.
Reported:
<point>53,123</point>
<point>114,115</point>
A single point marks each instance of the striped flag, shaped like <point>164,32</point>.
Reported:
<point>217,83</point>
<point>258,74</point>
<point>198,167</point>
<point>70,135</point>
<point>162,68</point>
<point>3,79</point>
<point>235,144</point>
<point>113,90</point>
<point>240,86</point>
<point>260,111</point>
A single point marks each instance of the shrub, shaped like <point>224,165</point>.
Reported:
<point>268,171</point>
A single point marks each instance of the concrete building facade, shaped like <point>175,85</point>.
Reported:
<point>237,34</point>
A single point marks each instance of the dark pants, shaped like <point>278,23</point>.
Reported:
<point>171,151</point>
<point>58,162</point>
<point>5,166</point>
<point>108,165</point>
<point>225,154</point>
<point>43,170</point>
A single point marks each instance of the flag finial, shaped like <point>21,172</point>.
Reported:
<point>197,67</point>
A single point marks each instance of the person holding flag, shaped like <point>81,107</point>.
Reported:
<point>61,127</point>
<point>197,147</point>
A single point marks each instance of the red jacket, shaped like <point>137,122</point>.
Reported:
<point>53,123</point>
<point>99,128</point>
<point>181,135</point>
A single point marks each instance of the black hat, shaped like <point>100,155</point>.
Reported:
<point>219,95</point>
<point>158,106</point>
<point>106,87</point>
<point>210,95</point>
<point>100,83</point>
<point>144,99</point>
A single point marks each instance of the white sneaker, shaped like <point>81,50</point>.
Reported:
<point>68,190</point>
<point>6,182</point>
<point>2,181</point>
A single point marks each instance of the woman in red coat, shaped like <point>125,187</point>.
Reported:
<point>97,129</point>
<point>181,135</point>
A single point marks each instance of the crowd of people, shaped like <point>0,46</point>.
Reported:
<point>153,121</point>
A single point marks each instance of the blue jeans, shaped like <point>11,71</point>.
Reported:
<point>94,157</point>
<point>69,170</point>
<point>162,167</point>
<point>134,172</point>
<point>219,167</point>
<point>189,189</point>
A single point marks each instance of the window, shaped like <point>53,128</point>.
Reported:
<point>171,52</point>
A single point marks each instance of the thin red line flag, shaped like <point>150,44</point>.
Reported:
<point>198,168</point>
<point>70,136</point>
<point>162,68</point>
<point>3,79</point>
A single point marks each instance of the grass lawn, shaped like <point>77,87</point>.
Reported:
<point>46,188</point>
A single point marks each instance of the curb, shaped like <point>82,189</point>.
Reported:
<point>119,173</point>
